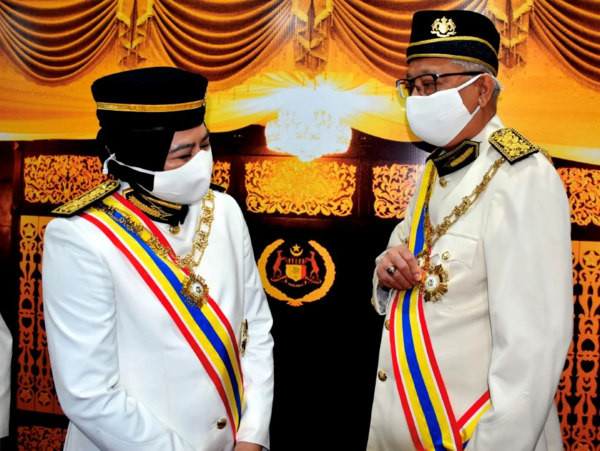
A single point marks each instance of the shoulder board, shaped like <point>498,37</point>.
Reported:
<point>85,200</point>
<point>512,145</point>
<point>218,188</point>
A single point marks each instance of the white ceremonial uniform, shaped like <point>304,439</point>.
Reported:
<point>505,323</point>
<point>5,358</point>
<point>124,373</point>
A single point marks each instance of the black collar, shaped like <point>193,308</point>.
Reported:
<point>462,155</point>
<point>157,209</point>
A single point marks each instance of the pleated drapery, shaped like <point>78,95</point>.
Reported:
<point>570,32</point>
<point>53,41</point>
<point>229,41</point>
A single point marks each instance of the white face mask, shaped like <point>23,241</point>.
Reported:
<point>438,118</point>
<point>185,185</point>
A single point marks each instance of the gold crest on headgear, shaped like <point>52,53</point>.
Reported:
<point>443,27</point>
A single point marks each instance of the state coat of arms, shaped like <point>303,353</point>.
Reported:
<point>296,273</point>
<point>443,27</point>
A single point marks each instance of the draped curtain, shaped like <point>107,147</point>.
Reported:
<point>225,41</point>
<point>376,37</point>
<point>570,31</point>
<point>229,41</point>
<point>54,41</point>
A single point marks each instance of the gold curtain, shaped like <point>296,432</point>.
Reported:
<point>229,41</point>
<point>226,41</point>
<point>53,41</point>
<point>570,31</point>
<point>376,37</point>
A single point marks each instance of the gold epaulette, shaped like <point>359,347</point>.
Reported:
<point>513,146</point>
<point>85,200</point>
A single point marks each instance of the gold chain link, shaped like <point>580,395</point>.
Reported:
<point>200,240</point>
<point>433,234</point>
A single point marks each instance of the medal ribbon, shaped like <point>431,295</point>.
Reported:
<point>423,394</point>
<point>206,329</point>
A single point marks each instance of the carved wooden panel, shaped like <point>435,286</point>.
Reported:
<point>35,387</point>
<point>36,438</point>
<point>393,186</point>
<point>583,189</point>
<point>292,187</point>
<point>577,397</point>
<point>57,179</point>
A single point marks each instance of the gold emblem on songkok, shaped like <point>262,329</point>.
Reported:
<point>85,200</point>
<point>443,28</point>
<point>512,144</point>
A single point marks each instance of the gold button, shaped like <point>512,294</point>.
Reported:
<point>372,302</point>
<point>382,376</point>
<point>387,324</point>
<point>221,423</point>
<point>174,229</point>
<point>446,256</point>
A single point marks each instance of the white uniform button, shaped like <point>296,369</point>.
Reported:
<point>221,423</point>
<point>446,256</point>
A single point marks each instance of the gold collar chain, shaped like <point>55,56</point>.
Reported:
<point>194,287</point>
<point>435,281</point>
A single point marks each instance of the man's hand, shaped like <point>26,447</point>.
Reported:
<point>245,446</point>
<point>407,272</point>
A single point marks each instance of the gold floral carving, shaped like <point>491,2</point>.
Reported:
<point>35,386</point>
<point>36,438</point>
<point>577,396</point>
<point>393,186</point>
<point>293,187</point>
<point>583,189</point>
<point>221,174</point>
<point>58,179</point>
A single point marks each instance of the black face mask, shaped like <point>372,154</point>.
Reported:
<point>147,149</point>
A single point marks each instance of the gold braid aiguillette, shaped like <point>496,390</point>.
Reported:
<point>195,289</point>
<point>434,283</point>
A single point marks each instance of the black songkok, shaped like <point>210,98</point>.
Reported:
<point>456,34</point>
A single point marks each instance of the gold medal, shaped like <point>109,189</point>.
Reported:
<point>195,290</point>
<point>434,283</point>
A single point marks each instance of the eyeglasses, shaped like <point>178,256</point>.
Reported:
<point>425,84</point>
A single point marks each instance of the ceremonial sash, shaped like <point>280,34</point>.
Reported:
<point>431,420</point>
<point>206,329</point>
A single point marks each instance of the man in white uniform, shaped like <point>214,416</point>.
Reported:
<point>158,326</point>
<point>476,281</point>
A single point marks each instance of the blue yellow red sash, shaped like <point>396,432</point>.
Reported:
<point>206,329</point>
<point>431,420</point>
